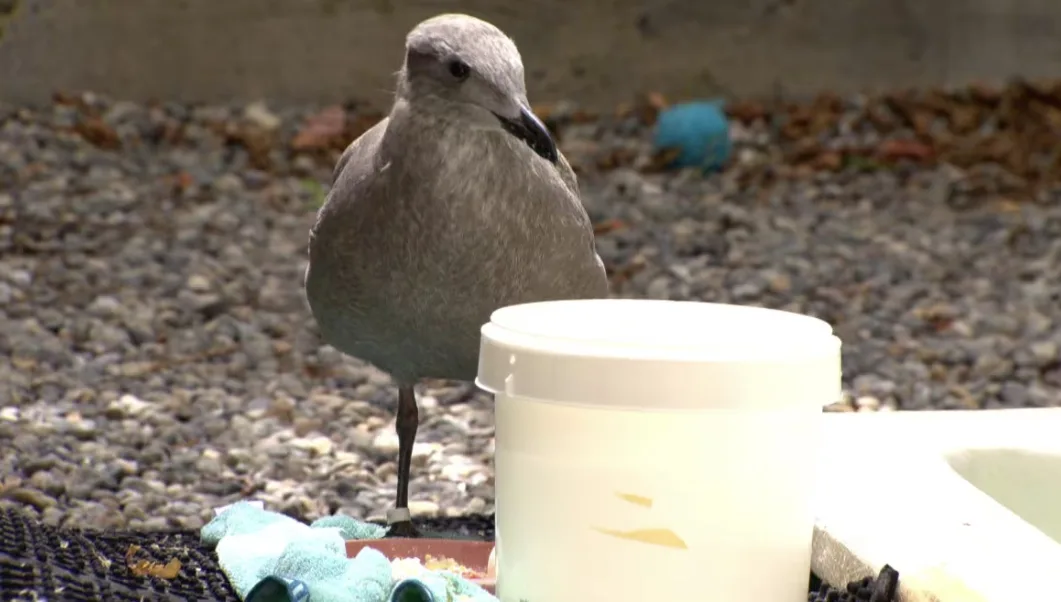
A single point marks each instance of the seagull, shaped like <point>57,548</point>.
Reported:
<point>457,204</point>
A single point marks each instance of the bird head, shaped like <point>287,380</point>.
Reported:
<point>475,68</point>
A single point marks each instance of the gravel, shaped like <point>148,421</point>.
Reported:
<point>157,358</point>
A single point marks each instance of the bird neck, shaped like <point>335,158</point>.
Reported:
<point>455,134</point>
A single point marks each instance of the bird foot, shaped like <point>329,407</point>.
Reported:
<point>403,529</point>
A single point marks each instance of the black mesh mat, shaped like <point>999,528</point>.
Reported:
<point>40,563</point>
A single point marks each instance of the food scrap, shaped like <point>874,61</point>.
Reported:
<point>451,565</point>
<point>149,568</point>
<point>409,567</point>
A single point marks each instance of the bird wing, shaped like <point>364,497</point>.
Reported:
<point>360,149</point>
<point>357,161</point>
<point>568,175</point>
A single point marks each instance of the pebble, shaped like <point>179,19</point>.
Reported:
<point>423,508</point>
<point>159,360</point>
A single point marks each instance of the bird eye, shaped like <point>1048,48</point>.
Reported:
<point>459,69</point>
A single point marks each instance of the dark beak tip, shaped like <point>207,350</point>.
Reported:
<point>529,129</point>
<point>538,136</point>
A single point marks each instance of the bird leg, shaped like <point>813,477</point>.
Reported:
<point>408,420</point>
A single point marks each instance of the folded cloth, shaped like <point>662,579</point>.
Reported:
<point>270,557</point>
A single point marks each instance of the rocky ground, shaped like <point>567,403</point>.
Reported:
<point>157,358</point>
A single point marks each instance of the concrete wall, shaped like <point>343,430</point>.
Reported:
<point>599,52</point>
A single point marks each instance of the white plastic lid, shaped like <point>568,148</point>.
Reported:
<point>653,354</point>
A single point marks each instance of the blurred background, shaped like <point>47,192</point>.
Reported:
<point>890,167</point>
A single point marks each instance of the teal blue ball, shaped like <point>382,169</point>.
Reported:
<point>699,131</point>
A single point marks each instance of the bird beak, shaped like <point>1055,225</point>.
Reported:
<point>528,128</point>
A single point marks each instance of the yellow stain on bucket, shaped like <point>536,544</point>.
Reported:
<point>656,537</point>
<point>633,498</point>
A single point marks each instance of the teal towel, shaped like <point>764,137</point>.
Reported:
<point>270,557</point>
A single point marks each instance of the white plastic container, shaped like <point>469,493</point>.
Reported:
<point>655,450</point>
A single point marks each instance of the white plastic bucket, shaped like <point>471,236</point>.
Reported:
<point>655,450</point>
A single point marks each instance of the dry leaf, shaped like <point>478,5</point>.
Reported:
<point>321,130</point>
<point>148,568</point>
<point>96,132</point>
<point>607,226</point>
<point>893,150</point>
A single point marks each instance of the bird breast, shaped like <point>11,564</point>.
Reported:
<point>457,227</point>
